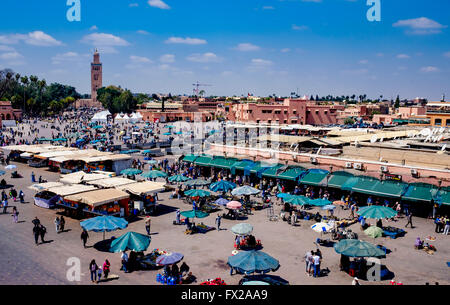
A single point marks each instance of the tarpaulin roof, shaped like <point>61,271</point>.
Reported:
<point>98,197</point>
<point>67,190</point>
<point>111,182</point>
<point>143,188</point>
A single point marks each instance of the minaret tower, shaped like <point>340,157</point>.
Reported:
<point>96,76</point>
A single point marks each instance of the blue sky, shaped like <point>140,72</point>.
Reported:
<point>238,46</point>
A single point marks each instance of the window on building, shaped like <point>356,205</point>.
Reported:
<point>438,122</point>
<point>448,122</point>
<point>277,112</point>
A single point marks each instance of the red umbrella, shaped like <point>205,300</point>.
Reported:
<point>234,205</point>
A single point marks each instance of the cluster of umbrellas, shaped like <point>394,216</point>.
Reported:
<point>131,241</point>
<point>302,200</point>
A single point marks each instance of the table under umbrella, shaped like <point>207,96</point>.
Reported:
<point>194,214</point>
<point>154,174</point>
<point>179,178</point>
<point>104,224</point>
<point>197,182</point>
<point>320,202</point>
<point>131,172</point>
<point>222,201</point>
<point>130,241</point>
<point>242,229</point>
<point>169,258</point>
<point>234,205</point>
<point>357,248</point>
<point>253,261</point>
<point>245,190</point>
<point>197,193</point>
<point>297,200</point>
<point>222,186</point>
<point>376,212</point>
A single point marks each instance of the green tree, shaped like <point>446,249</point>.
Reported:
<point>397,102</point>
<point>349,121</point>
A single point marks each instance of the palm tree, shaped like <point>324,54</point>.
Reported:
<point>25,82</point>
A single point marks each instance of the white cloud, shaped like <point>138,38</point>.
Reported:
<point>68,57</point>
<point>299,27</point>
<point>258,62</point>
<point>285,50</point>
<point>429,69</point>
<point>36,38</point>
<point>247,47</point>
<point>6,48</point>
<point>143,32</point>
<point>139,59</point>
<point>187,40</point>
<point>403,56</point>
<point>363,61</point>
<point>204,58</point>
<point>420,26</point>
<point>447,54</point>
<point>380,54</point>
<point>11,56</point>
<point>93,28</point>
<point>103,39</point>
<point>133,5</point>
<point>159,4</point>
<point>268,8</point>
<point>167,58</point>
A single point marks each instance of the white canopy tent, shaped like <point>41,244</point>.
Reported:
<point>101,117</point>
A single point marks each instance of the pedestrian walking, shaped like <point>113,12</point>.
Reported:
<point>106,268</point>
<point>33,177</point>
<point>178,216</point>
<point>84,237</point>
<point>62,223</point>
<point>409,217</point>
<point>447,225</point>
<point>99,275</point>
<point>237,242</point>
<point>148,224</point>
<point>124,258</point>
<point>5,205</point>
<point>21,196</point>
<point>93,269</point>
<point>42,232</point>
<point>15,215</point>
<point>308,262</point>
<point>57,223</point>
<point>36,233</point>
<point>218,222</point>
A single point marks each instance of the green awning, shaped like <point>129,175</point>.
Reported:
<point>420,192</point>
<point>261,167</point>
<point>375,187</point>
<point>443,197</point>
<point>204,160</point>
<point>292,173</point>
<point>272,172</point>
<point>314,177</point>
<point>338,179</point>
<point>190,158</point>
<point>243,165</point>
<point>220,162</point>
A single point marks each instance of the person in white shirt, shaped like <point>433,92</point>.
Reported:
<point>308,262</point>
<point>316,260</point>
<point>124,258</point>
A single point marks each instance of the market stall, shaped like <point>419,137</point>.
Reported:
<point>101,202</point>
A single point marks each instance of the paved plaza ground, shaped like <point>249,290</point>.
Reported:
<point>22,262</point>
